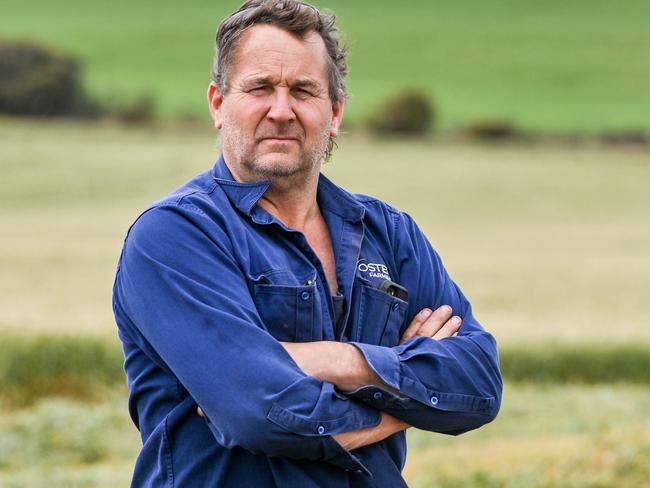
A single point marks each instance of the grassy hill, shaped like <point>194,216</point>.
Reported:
<point>561,66</point>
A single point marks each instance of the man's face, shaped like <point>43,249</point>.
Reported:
<point>276,116</point>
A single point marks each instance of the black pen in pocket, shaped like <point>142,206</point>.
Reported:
<point>393,289</point>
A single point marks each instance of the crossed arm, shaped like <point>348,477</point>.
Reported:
<point>344,366</point>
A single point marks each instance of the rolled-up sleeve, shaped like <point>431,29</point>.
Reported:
<point>451,385</point>
<point>181,290</point>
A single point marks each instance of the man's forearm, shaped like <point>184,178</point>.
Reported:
<point>363,437</point>
<point>345,366</point>
<point>336,362</point>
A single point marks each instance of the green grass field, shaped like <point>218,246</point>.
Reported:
<point>549,242</point>
<point>550,436</point>
<point>578,66</point>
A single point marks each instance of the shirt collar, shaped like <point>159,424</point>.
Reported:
<point>244,196</point>
<point>333,198</point>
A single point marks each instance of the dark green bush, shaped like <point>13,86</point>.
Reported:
<point>626,138</point>
<point>136,112</point>
<point>408,112</point>
<point>37,81</point>
<point>492,130</point>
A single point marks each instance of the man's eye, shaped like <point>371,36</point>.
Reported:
<point>259,90</point>
<point>302,93</point>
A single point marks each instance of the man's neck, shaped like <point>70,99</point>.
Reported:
<point>291,199</point>
<point>294,205</point>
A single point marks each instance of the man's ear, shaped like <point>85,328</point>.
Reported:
<point>337,117</point>
<point>215,103</point>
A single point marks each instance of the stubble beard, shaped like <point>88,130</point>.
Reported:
<point>257,166</point>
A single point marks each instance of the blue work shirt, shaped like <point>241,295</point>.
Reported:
<point>207,285</point>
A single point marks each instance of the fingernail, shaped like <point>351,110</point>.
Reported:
<point>456,320</point>
<point>445,308</point>
<point>425,312</point>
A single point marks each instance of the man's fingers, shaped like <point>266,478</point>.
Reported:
<point>435,321</point>
<point>449,329</point>
<point>415,324</point>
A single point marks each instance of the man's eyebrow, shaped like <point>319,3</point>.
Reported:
<point>307,83</point>
<point>269,80</point>
<point>258,80</point>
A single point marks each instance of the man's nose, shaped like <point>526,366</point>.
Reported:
<point>281,109</point>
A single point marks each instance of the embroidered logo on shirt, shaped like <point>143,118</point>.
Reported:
<point>374,270</point>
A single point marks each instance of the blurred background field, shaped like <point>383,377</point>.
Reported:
<point>548,233</point>
<point>550,243</point>
<point>580,65</point>
<point>545,436</point>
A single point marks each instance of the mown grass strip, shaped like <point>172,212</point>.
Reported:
<point>628,363</point>
<point>34,367</point>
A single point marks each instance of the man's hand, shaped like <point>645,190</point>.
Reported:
<point>343,364</point>
<point>363,437</point>
<point>436,324</point>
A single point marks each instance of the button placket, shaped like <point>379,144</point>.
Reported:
<point>304,246</point>
<point>305,303</point>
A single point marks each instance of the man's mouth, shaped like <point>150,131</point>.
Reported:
<point>280,139</point>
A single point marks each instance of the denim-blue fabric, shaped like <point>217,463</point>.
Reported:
<point>207,285</point>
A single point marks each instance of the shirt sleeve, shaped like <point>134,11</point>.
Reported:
<point>179,287</point>
<point>451,385</point>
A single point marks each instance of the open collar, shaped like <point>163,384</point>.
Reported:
<point>245,196</point>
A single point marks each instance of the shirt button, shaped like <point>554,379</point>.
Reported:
<point>395,307</point>
<point>434,400</point>
<point>321,429</point>
<point>305,295</point>
<point>377,395</point>
<point>309,282</point>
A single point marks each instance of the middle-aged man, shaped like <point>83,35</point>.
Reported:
<point>278,330</point>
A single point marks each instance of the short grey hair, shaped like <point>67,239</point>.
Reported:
<point>294,16</point>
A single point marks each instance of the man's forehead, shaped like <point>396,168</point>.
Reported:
<point>264,47</point>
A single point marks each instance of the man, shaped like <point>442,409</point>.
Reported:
<point>279,331</point>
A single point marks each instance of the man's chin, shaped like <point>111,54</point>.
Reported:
<point>277,165</point>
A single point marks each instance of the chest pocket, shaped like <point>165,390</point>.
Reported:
<point>379,316</point>
<point>286,310</point>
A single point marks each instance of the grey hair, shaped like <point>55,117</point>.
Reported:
<point>294,16</point>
